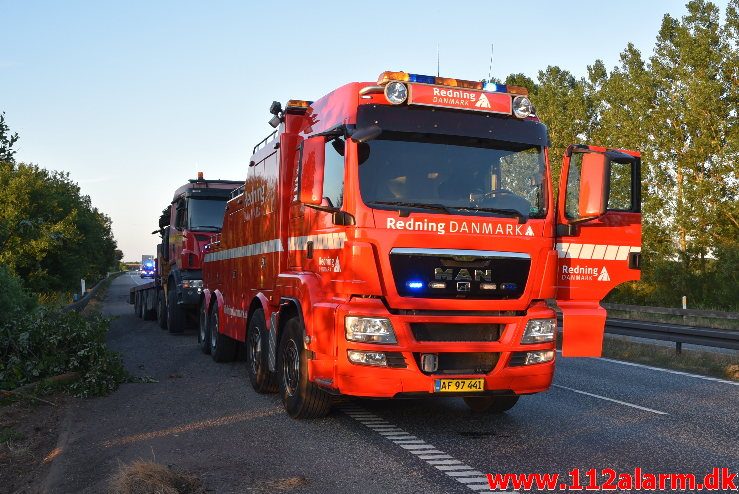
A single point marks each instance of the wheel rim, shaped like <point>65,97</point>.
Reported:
<point>255,350</point>
<point>203,322</point>
<point>291,367</point>
<point>214,329</point>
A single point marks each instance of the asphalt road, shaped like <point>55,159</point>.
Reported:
<point>205,418</point>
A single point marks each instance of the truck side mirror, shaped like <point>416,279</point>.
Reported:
<point>594,177</point>
<point>311,171</point>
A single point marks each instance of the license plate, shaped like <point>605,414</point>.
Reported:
<point>458,385</point>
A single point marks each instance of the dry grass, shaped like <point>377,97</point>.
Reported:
<point>147,477</point>
<point>716,364</point>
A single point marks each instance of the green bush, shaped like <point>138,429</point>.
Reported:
<point>48,342</point>
<point>14,299</point>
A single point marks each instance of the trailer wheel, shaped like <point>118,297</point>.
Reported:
<point>262,380</point>
<point>175,313</point>
<point>204,330</point>
<point>222,348</point>
<point>161,310</point>
<point>146,313</point>
<point>491,404</point>
<point>302,399</point>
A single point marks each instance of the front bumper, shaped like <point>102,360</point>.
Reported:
<point>507,376</point>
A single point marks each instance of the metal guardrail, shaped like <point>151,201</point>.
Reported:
<point>717,338</point>
<point>79,305</point>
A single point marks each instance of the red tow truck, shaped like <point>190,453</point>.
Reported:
<point>400,238</point>
<point>185,227</point>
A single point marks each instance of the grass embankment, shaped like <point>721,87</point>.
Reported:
<point>708,363</point>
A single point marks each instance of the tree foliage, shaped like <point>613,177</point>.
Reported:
<point>50,234</point>
<point>679,107</point>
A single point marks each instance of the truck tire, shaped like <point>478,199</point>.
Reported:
<point>302,399</point>
<point>262,380</point>
<point>161,310</point>
<point>491,404</point>
<point>146,313</point>
<point>204,330</point>
<point>222,348</point>
<point>175,313</point>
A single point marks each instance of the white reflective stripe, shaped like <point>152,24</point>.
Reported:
<point>587,251</point>
<point>596,251</point>
<point>320,242</point>
<point>574,251</point>
<point>623,252</point>
<point>611,252</point>
<point>266,247</point>
<point>599,251</point>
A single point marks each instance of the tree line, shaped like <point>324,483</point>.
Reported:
<point>678,106</point>
<point>51,235</point>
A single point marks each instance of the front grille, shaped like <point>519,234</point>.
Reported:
<point>463,362</point>
<point>461,274</point>
<point>395,360</point>
<point>423,331</point>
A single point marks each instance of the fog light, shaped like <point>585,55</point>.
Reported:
<point>522,107</point>
<point>539,357</point>
<point>429,362</point>
<point>367,358</point>
<point>396,92</point>
<point>539,331</point>
<point>439,285</point>
<point>488,286</point>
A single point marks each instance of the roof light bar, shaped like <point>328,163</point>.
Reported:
<point>389,76</point>
<point>298,103</point>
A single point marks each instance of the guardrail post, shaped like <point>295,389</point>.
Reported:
<point>678,347</point>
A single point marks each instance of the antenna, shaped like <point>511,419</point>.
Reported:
<point>490,71</point>
<point>437,60</point>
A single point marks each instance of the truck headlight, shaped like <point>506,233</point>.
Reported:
<point>378,359</point>
<point>369,329</point>
<point>522,107</point>
<point>396,92</point>
<point>539,331</point>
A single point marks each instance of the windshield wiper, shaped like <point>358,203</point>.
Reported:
<point>522,218</point>
<point>419,205</point>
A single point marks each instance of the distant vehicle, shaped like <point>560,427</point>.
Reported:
<point>148,269</point>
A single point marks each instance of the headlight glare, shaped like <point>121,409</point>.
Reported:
<point>539,331</point>
<point>369,330</point>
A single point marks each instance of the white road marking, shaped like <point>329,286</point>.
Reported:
<point>670,371</point>
<point>452,468</point>
<point>625,403</point>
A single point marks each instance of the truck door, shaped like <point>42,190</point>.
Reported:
<point>598,239</point>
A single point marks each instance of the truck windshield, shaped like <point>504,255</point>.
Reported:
<point>450,174</point>
<point>205,214</point>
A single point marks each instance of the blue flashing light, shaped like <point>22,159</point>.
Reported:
<point>414,284</point>
<point>422,79</point>
<point>496,88</point>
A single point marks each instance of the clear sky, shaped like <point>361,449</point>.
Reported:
<point>133,98</point>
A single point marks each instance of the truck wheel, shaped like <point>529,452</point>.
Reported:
<point>491,404</point>
<point>262,380</point>
<point>204,330</point>
<point>175,313</point>
<point>161,310</point>
<point>222,348</point>
<point>147,313</point>
<point>302,399</point>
